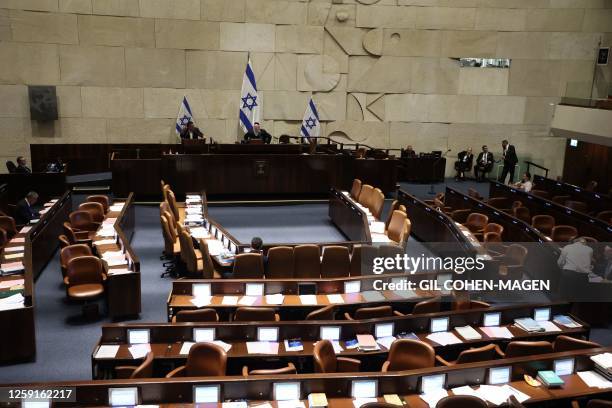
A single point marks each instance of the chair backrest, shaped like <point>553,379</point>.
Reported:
<point>356,189</point>
<point>255,314</point>
<point>397,226</point>
<point>289,369</point>
<point>464,303</point>
<point>377,203</point>
<point>208,266</point>
<point>598,403</point>
<point>474,355</point>
<point>476,220</point>
<point>163,207</point>
<point>394,206</point>
<point>325,313</point>
<point>188,255</point>
<point>460,216</point>
<point>563,233</point>
<point>427,306</point>
<point>492,237</point>
<point>493,227</point>
<point>473,193</point>
<point>199,315</point>
<point>605,216</point>
<point>336,262</point>
<point>324,357</point>
<point>567,343</point>
<point>249,265</point>
<point>409,354</point>
<point>205,360</point>
<point>145,370</point>
<point>356,260</point>
<point>101,199</point>
<point>406,233</point>
<point>10,166</point>
<point>461,401</point>
<point>527,348</point>
<point>560,199</point>
<point>80,219</point>
<point>543,223</point>
<point>516,253</point>
<point>365,194</point>
<point>165,190</point>
<point>8,225</point>
<point>307,263</point>
<point>168,237</point>
<point>172,224</point>
<point>63,240</point>
<point>95,209</point>
<point>84,270</point>
<point>3,238</point>
<point>69,233</point>
<point>280,262</point>
<point>577,205</point>
<point>73,251</point>
<point>373,312</point>
<point>173,206</point>
<point>522,213</point>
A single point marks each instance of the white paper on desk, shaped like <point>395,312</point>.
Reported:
<point>201,301</point>
<point>10,283</point>
<point>290,404</point>
<point>139,350</point>
<point>116,262</point>
<point>520,396</point>
<point>13,256</point>
<point>199,233</point>
<point>234,404</point>
<point>337,347</point>
<point>358,402</point>
<point>465,390</point>
<point>25,229</point>
<point>495,394</point>
<point>549,326</point>
<point>247,300</point>
<point>14,249</point>
<point>434,396</point>
<point>230,300</point>
<point>444,338</point>
<point>225,346</point>
<point>44,211</point>
<point>603,359</point>
<point>34,221</point>
<point>336,299</point>
<point>593,379</point>
<point>196,209</point>
<point>261,405</point>
<point>107,351</point>
<point>15,299</point>
<point>386,341</point>
<point>377,227</point>
<point>497,332</point>
<point>276,299</point>
<point>116,207</point>
<point>308,299</point>
<point>104,242</point>
<point>262,347</point>
<point>109,221</point>
<point>12,267</point>
<point>186,347</point>
<point>289,348</point>
<point>105,233</point>
<point>17,240</point>
<point>113,254</point>
<point>121,271</point>
<point>380,238</point>
<point>215,247</point>
<point>468,333</point>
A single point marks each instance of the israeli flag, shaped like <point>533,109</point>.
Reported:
<point>250,103</point>
<point>311,126</point>
<point>184,116</point>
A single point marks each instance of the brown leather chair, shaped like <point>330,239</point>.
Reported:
<point>492,237</point>
<point>467,304</point>
<point>605,216</point>
<point>377,203</point>
<point>3,238</point>
<point>473,355</point>
<point>289,369</point>
<point>380,405</point>
<point>543,223</point>
<point>63,241</point>
<point>523,214</point>
<point>325,313</point>
<point>594,403</point>
<point>173,206</point>
<point>408,354</point>
<point>427,306</point>
<point>248,266</point>
<point>579,206</point>
<point>476,222</point>
<point>397,226</point>
<point>144,370</point>
<point>370,313</point>
<point>204,360</point>
<point>280,263</point>
<point>256,314</point>
<point>208,266</point>
<point>526,348</point>
<point>461,401</point>
<point>191,259</point>
<point>474,194</point>
<point>8,225</point>
<point>356,260</point>
<point>196,316</point>
<point>394,206</point>
<point>512,262</point>
<point>490,227</point>
<point>73,251</point>
<point>306,261</point>
<point>336,262</point>
<point>95,209</point>
<point>356,189</point>
<point>325,360</point>
<point>77,237</point>
<point>540,193</point>
<point>567,343</point>
<point>102,199</point>
<point>365,195</point>
<point>563,233</point>
<point>83,221</point>
<point>560,199</point>
<point>172,246</point>
<point>85,278</point>
<point>460,216</point>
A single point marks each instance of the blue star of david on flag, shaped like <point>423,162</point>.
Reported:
<point>184,116</point>
<point>251,103</point>
<point>311,126</point>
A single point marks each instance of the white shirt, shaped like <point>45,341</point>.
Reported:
<point>526,185</point>
<point>576,257</point>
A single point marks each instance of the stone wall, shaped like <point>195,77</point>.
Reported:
<point>381,71</point>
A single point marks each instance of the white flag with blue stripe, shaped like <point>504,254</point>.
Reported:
<point>184,116</point>
<point>250,103</point>
<point>311,126</point>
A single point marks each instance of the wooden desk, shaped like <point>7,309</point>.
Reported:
<point>47,185</point>
<point>597,202</point>
<point>422,169</point>
<point>348,218</point>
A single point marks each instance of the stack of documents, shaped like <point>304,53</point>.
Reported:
<point>497,332</point>
<point>566,321</point>
<point>549,326</point>
<point>528,324</point>
<point>116,207</point>
<point>468,333</point>
<point>14,249</point>
<point>11,283</point>
<point>593,379</point>
<point>380,238</point>
<point>11,268</point>
<point>199,233</point>
<point>377,227</point>
<point>444,338</point>
<point>110,221</point>
<point>603,364</point>
<point>15,301</point>
<point>367,342</point>
<point>15,255</point>
<point>262,347</point>
<point>25,230</point>
<point>108,241</point>
<point>386,341</point>
<point>215,247</point>
<point>107,231</point>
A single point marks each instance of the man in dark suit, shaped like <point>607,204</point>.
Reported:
<point>408,152</point>
<point>510,160</point>
<point>22,166</point>
<point>25,211</point>
<point>190,132</point>
<point>257,133</point>
<point>484,163</point>
<point>464,164</point>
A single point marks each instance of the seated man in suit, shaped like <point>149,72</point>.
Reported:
<point>484,163</point>
<point>25,211</point>
<point>22,166</point>
<point>257,133</point>
<point>408,152</point>
<point>190,132</point>
<point>464,164</point>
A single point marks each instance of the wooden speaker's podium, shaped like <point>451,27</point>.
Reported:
<point>194,145</point>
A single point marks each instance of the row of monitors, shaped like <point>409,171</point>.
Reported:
<point>332,333</point>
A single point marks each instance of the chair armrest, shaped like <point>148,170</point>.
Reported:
<point>398,313</point>
<point>347,316</point>
<point>123,372</point>
<point>276,317</point>
<point>82,235</point>
<point>479,236</point>
<point>177,372</point>
<point>385,366</point>
<point>66,281</point>
<point>575,404</point>
<point>499,352</point>
<point>348,365</point>
<point>443,361</point>
<point>245,371</point>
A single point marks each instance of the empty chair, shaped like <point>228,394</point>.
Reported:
<point>460,216</point>
<point>526,348</point>
<point>336,262</point>
<point>476,222</point>
<point>377,203</point>
<point>144,370</point>
<point>490,227</point>
<point>84,281</point>
<point>543,223</point>
<point>386,251</point>
<point>467,304</point>
<point>191,259</point>
<point>102,199</point>
<point>605,216</point>
<point>427,306</point>
<point>204,360</point>
<point>540,193</point>
<point>522,213</point>
<point>365,194</point>
<point>256,314</point>
<point>280,262</point>
<point>73,251</point>
<point>95,209</point>
<point>473,355</point>
<point>172,246</point>
<point>306,261</point>
<point>512,261</point>
<point>289,369</point>
<point>397,226</point>
<point>560,199</point>
<point>248,266</point>
<point>356,189</point>
<point>83,221</point>
<point>567,343</point>
<point>3,238</point>
<point>492,237</point>
<point>356,260</point>
<point>195,316</point>
<point>325,360</point>
<point>8,225</point>
<point>408,354</point>
<point>577,206</point>
<point>370,313</point>
<point>461,401</point>
<point>563,233</point>
<point>173,206</point>
<point>394,206</point>
<point>474,194</point>
<point>325,313</point>
<point>208,266</point>
<point>77,237</point>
